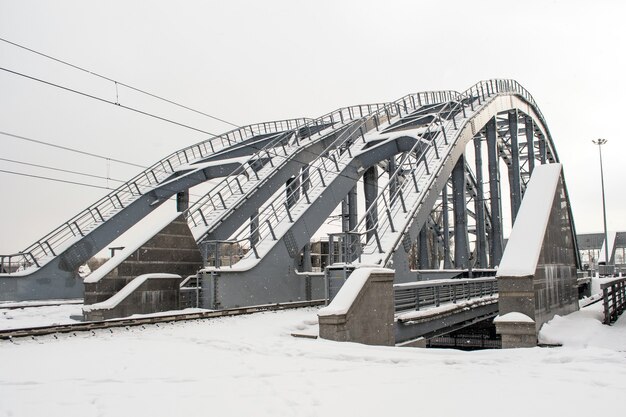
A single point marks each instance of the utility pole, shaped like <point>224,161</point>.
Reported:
<point>601,142</point>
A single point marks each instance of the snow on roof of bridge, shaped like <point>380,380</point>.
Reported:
<point>522,250</point>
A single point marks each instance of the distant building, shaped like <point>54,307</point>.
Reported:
<point>590,246</point>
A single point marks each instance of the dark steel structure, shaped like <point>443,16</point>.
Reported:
<point>420,183</point>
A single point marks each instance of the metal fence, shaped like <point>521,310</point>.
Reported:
<point>418,295</point>
<point>614,299</point>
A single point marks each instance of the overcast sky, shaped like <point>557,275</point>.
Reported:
<point>253,61</point>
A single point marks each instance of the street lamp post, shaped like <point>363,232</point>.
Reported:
<point>601,142</point>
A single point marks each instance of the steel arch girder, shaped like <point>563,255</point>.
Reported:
<point>498,104</point>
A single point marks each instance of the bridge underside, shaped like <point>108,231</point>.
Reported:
<point>408,331</point>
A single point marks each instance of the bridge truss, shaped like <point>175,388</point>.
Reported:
<point>419,181</point>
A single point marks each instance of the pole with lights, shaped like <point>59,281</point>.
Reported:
<point>601,142</point>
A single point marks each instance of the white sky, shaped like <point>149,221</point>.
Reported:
<point>248,62</point>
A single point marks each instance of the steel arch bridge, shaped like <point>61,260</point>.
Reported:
<point>419,181</point>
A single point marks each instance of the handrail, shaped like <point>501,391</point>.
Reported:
<point>383,204</point>
<point>329,162</point>
<point>417,295</point>
<point>248,170</point>
<point>105,207</point>
<point>437,127</point>
<point>614,299</point>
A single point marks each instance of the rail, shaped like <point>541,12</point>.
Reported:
<point>129,322</point>
<point>613,298</point>
<point>421,294</point>
<point>81,224</point>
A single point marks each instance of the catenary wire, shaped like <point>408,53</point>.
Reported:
<point>117,82</point>
<point>104,100</point>
<point>61,170</point>
<point>72,182</point>
<point>54,179</point>
<point>70,149</point>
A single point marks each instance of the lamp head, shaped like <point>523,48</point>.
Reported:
<point>599,141</point>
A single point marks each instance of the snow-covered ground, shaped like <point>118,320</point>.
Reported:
<point>252,366</point>
<point>16,318</point>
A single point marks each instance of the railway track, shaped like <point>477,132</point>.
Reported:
<point>130,322</point>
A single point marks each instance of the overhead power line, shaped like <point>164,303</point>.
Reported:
<point>70,172</point>
<point>54,179</point>
<point>61,170</point>
<point>104,100</point>
<point>117,82</point>
<point>71,149</point>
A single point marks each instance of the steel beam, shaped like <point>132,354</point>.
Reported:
<point>306,263</point>
<point>293,191</point>
<point>542,149</point>
<point>496,246</point>
<point>446,227</point>
<point>393,185</point>
<point>479,206</point>
<point>461,245</point>
<point>530,143</point>
<point>254,227</point>
<point>514,168</point>
<point>182,201</point>
<point>370,189</point>
<point>352,209</point>
<point>424,259</point>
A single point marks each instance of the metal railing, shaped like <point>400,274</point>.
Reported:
<point>613,298</point>
<point>275,216</point>
<point>413,172</point>
<point>81,224</point>
<point>216,201</point>
<point>416,296</point>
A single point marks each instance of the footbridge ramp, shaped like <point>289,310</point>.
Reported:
<point>270,165</point>
<point>48,267</point>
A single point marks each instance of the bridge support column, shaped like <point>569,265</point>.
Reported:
<point>479,207</point>
<point>370,189</point>
<point>530,143</point>
<point>514,170</point>
<point>393,185</point>
<point>446,227</point>
<point>344,215</point>
<point>424,259</point>
<point>293,191</point>
<point>306,264</point>
<point>352,209</point>
<point>495,249</point>
<point>461,246</point>
<point>254,227</point>
<point>182,201</point>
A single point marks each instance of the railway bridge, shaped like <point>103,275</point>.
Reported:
<point>418,184</point>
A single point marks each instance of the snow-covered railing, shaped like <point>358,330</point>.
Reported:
<point>427,294</point>
<point>271,219</point>
<point>614,299</point>
<point>282,149</point>
<point>413,171</point>
<point>81,224</point>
